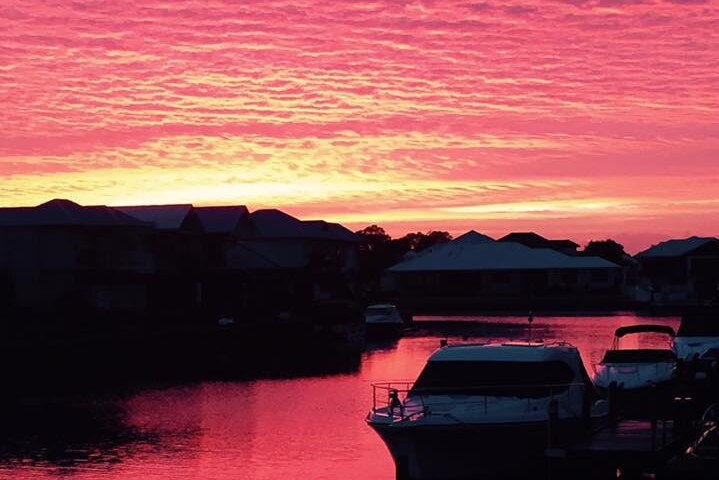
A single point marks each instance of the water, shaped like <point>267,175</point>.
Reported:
<point>297,428</point>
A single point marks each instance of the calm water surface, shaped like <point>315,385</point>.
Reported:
<point>299,428</point>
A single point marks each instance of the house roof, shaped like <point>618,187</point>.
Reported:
<point>222,219</point>
<point>473,237</point>
<point>535,240</point>
<point>60,212</point>
<point>334,231</point>
<point>162,217</point>
<point>676,248</point>
<point>273,223</point>
<point>497,256</point>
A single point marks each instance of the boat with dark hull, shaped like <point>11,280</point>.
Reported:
<point>475,409</point>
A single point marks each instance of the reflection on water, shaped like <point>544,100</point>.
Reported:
<point>300,428</point>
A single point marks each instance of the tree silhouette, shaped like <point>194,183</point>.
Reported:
<point>607,249</point>
<point>373,236</point>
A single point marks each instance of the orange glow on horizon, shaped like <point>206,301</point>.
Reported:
<point>585,119</point>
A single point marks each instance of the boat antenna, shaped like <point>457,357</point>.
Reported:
<point>530,319</point>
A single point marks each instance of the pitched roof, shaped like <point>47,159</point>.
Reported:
<point>273,223</point>
<point>535,240</point>
<point>497,256</point>
<point>521,237</point>
<point>225,219</point>
<point>162,217</point>
<point>60,212</point>
<point>473,237</point>
<point>333,231</point>
<point>676,248</point>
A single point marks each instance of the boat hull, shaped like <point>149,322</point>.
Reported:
<point>646,402</point>
<point>464,451</point>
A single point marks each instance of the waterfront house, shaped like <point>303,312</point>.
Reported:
<point>64,258</point>
<point>175,288</point>
<point>315,260</point>
<point>502,274</point>
<point>222,226</point>
<point>682,271</point>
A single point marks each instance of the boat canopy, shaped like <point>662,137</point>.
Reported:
<point>621,331</point>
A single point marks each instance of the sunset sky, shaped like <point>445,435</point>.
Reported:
<point>580,119</point>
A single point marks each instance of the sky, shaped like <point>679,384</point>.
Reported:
<point>581,119</point>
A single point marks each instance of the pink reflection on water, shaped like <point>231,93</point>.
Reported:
<point>300,428</point>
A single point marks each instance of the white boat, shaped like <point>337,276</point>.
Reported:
<point>638,368</point>
<point>476,409</point>
<point>383,319</point>
<point>697,334</point>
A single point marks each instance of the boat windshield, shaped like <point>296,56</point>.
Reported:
<point>643,355</point>
<point>495,378</point>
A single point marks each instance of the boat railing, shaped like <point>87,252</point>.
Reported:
<point>391,398</point>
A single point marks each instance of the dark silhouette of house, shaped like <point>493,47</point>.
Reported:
<point>682,271</point>
<point>63,258</point>
<point>502,274</point>
<point>533,240</point>
<point>175,289</point>
<point>269,262</point>
<point>222,226</point>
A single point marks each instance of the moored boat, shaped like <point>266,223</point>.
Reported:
<point>383,320</point>
<point>638,368</point>
<point>475,409</point>
<point>697,334</point>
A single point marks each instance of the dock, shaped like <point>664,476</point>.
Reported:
<point>631,447</point>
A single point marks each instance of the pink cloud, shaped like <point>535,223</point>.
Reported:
<point>587,93</point>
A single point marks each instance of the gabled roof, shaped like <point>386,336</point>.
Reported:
<point>473,237</point>
<point>225,219</point>
<point>497,256</point>
<point>676,248</point>
<point>162,217</point>
<point>333,231</point>
<point>60,212</point>
<point>522,237</point>
<point>273,223</point>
